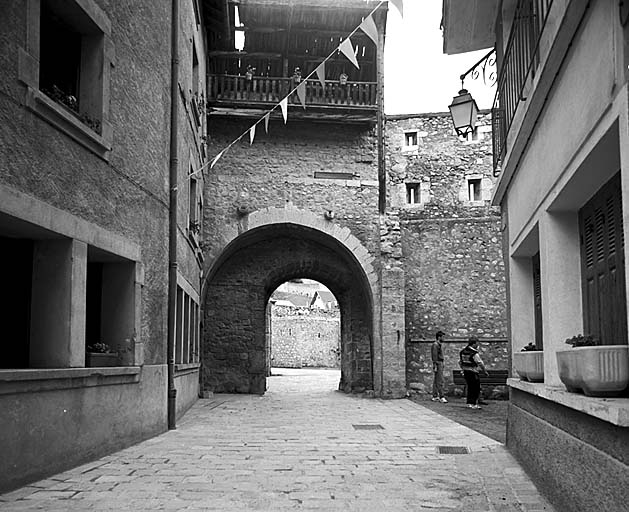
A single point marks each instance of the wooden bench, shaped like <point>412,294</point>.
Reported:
<point>495,378</point>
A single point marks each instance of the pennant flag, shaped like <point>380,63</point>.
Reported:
<point>321,74</point>
<point>348,50</point>
<point>368,26</point>
<point>216,159</point>
<point>252,134</point>
<point>267,118</point>
<point>400,6</point>
<point>301,93</point>
<point>284,107</point>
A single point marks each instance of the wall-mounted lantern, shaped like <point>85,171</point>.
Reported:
<point>464,112</point>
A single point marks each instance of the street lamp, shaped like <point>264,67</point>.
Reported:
<point>464,112</point>
<point>463,109</point>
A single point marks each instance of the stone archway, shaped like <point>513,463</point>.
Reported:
<point>278,245</point>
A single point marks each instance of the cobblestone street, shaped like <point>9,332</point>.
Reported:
<point>301,446</point>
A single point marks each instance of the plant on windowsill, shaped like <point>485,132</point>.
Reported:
<point>529,363</point>
<point>596,369</point>
<point>70,103</point>
<point>100,354</point>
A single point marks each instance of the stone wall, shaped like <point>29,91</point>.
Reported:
<point>450,245</point>
<point>303,337</point>
<point>279,168</point>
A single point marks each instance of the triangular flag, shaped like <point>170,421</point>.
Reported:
<point>348,50</point>
<point>284,107</point>
<point>267,118</point>
<point>400,6</point>
<point>368,26</point>
<point>301,93</point>
<point>216,159</point>
<point>321,74</point>
<point>252,134</point>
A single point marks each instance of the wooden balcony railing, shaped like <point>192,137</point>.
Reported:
<point>235,89</point>
<point>520,61</point>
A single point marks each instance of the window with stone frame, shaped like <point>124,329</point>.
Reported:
<point>474,189</point>
<point>65,62</point>
<point>195,206</point>
<point>187,328</point>
<point>71,60</point>
<point>52,277</point>
<point>413,193</point>
<point>411,139</point>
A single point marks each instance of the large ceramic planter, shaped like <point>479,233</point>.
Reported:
<point>530,365</point>
<point>597,371</point>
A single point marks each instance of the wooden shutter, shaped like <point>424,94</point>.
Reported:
<point>603,265</point>
<point>537,300</point>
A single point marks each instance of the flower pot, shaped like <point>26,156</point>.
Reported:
<point>99,359</point>
<point>530,365</point>
<point>597,371</point>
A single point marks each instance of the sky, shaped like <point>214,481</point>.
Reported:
<point>418,76</point>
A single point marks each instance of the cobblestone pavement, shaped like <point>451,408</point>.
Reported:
<point>301,446</point>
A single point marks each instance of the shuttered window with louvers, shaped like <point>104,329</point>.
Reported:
<point>603,265</point>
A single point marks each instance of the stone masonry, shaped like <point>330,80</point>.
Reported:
<point>450,241</point>
<point>303,337</point>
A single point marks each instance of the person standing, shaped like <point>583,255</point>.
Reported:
<point>436,352</point>
<point>472,364</point>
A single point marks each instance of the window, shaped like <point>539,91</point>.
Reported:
<point>65,63</point>
<point>413,195</point>
<point>474,189</point>
<point>195,206</point>
<point>603,265</point>
<point>71,55</point>
<point>537,302</point>
<point>55,277</point>
<point>109,303</point>
<point>187,322</point>
<point>410,140</point>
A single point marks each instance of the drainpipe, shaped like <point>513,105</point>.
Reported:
<point>172,214</point>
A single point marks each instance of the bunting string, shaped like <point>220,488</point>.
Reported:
<point>368,26</point>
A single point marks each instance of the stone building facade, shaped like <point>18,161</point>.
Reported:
<point>440,190</point>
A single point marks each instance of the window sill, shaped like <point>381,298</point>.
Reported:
<point>612,410</point>
<point>185,368</point>
<point>49,379</point>
<point>55,114</point>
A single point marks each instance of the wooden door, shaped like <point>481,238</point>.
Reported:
<point>603,265</point>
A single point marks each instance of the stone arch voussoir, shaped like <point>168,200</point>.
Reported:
<point>343,235</point>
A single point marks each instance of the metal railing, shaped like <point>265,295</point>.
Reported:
<point>520,61</point>
<point>239,89</point>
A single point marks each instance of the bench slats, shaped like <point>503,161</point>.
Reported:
<point>496,377</point>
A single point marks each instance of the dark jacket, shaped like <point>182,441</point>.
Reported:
<point>466,359</point>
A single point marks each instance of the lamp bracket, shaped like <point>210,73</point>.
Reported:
<point>484,65</point>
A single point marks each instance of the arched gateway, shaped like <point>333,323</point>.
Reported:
<point>279,244</point>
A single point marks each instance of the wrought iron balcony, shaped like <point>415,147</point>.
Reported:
<point>519,63</point>
<point>238,91</point>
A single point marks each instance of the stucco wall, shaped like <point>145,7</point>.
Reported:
<point>51,430</point>
<point>125,193</point>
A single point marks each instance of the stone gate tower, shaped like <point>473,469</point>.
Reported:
<point>306,199</point>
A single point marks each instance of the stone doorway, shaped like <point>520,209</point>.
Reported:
<point>235,351</point>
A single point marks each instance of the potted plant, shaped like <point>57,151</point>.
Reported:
<point>100,354</point>
<point>595,369</point>
<point>529,363</point>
